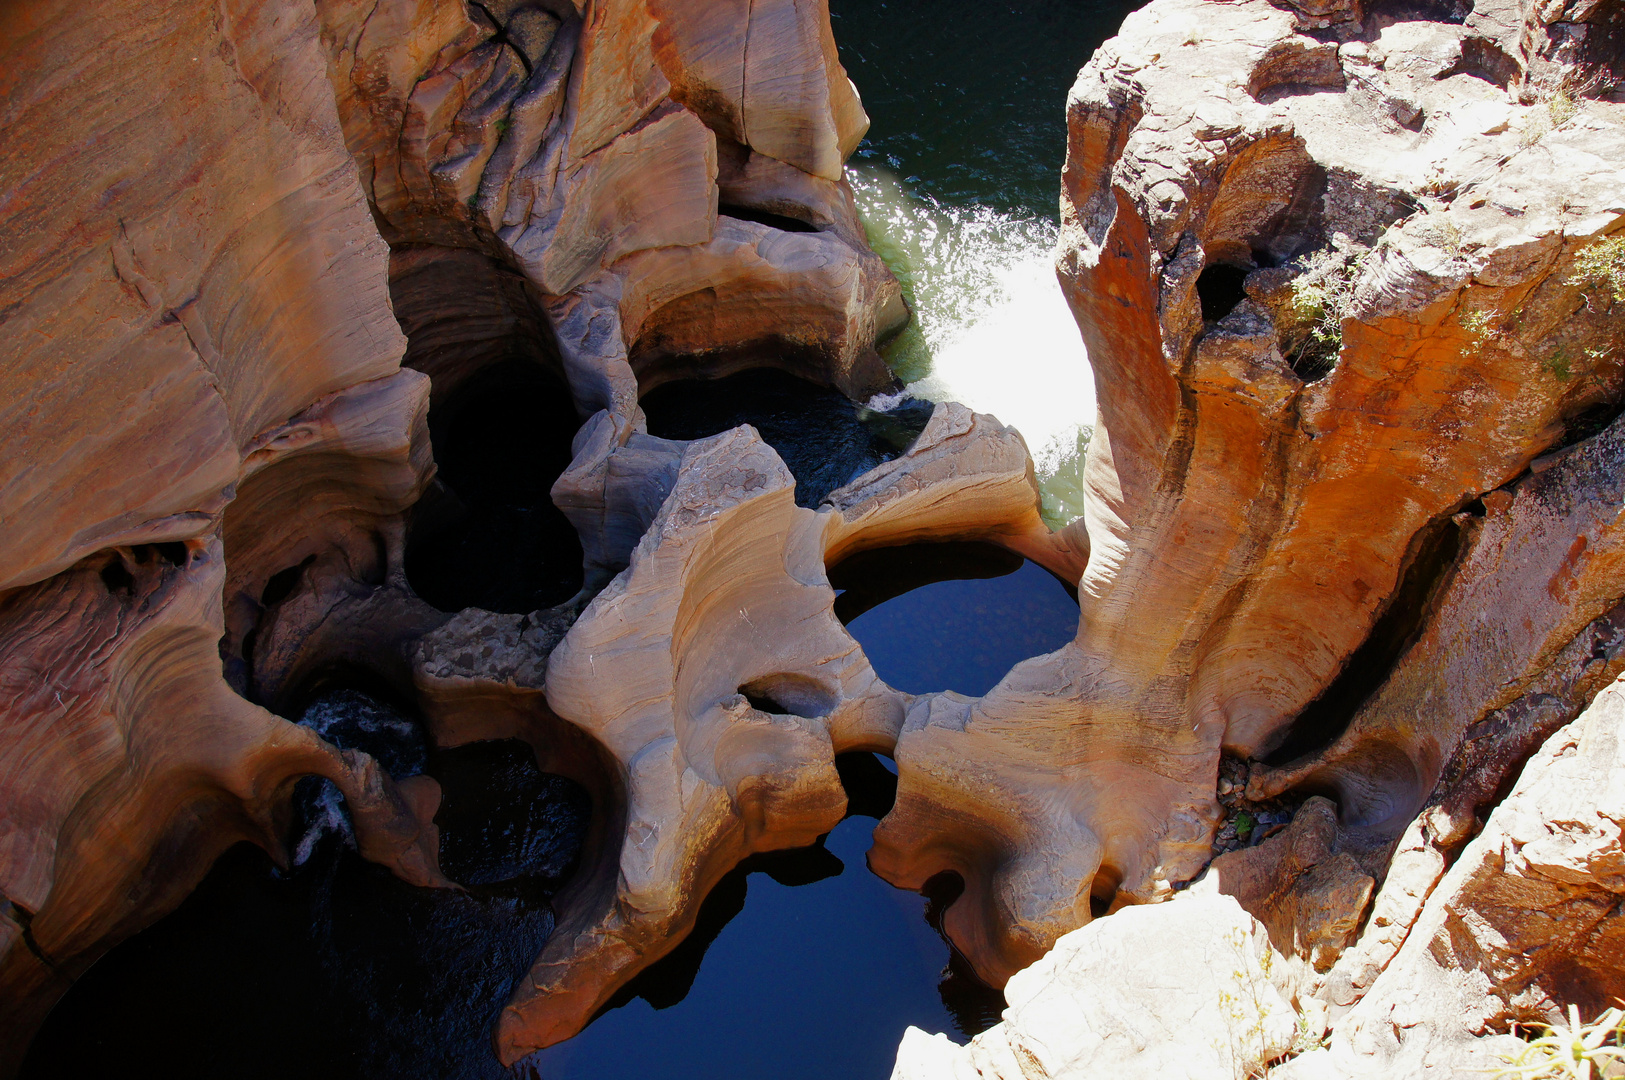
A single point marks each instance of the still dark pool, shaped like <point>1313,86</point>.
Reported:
<point>804,964</point>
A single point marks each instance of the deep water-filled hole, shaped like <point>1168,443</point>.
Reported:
<point>488,535</point>
<point>951,616</point>
<point>801,966</point>
<point>825,439</point>
<point>335,968</point>
<point>1219,287</point>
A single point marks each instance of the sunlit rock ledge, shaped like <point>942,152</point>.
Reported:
<point>1348,557</point>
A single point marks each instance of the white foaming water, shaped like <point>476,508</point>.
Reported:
<point>329,815</point>
<point>990,327</point>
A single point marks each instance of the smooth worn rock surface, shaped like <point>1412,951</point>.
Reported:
<point>208,398</point>
<point>203,390</point>
<point>1350,518</point>
<point>720,685</point>
<point>1182,989</point>
<point>1268,524</point>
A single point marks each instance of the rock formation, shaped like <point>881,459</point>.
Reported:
<point>1349,549</point>
<point>1206,1006</point>
<point>714,673</point>
<point>196,312</point>
<point>1526,921</point>
<point>218,445</point>
<point>1333,285</point>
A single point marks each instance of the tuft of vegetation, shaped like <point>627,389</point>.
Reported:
<point>1322,297</point>
<point>1562,106</point>
<point>503,125</point>
<point>1247,1011</point>
<point>1244,826</point>
<point>1535,128</point>
<point>1601,269</point>
<point>1572,1051</point>
<point>1477,325</point>
<point>1559,365</point>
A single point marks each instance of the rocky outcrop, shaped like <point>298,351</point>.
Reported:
<point>1332,295</point>
<point>186,269</point>
<point>1184,989</point>
<point>719,683</point>
<point>1526,921</point>
<point>196,313</point>
<point>129,764</point>
<point>219,449</point>
<point>1350,521</point>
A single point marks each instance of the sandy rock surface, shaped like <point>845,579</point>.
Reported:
<point>1274,531</point>
<point>1181,989</point>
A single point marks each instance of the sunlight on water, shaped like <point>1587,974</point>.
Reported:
<point>990,327</point>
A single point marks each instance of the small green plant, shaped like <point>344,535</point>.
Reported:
<point>1248,1010</point>
<point>1574,1051</point>
<point>1322,296</point>
<point>1559,365</point>
<point>1244,826</point>
<point>1562,106</point>
<point>1477,324</point>
<point>1601,268</point>
<point>1447,234</point>
<point>503,125</point>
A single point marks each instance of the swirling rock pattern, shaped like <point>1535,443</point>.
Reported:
<point>1385,573</point>
<point>209,399</point>
<point>1265,536</point>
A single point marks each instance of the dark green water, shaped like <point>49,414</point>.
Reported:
<point>966,100</point>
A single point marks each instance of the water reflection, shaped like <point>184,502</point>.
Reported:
<point>952,616</point>
<point>825,439</point>
<point>816,977</point>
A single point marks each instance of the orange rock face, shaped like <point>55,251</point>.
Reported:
<point>1269,527</point>
<point>1349,518</point>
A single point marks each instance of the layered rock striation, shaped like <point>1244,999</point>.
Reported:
<point>1349,550</point>
<point>221,426</point>
<point>1345,499</point>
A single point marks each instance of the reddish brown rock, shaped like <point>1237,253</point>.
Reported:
<point>1258,515</point>
<point>1526,922</point>
<point>1310,896</point>
<point>722,735</point>
<point>127,764</point>
<point>186,267</point>
<point>211,395</point>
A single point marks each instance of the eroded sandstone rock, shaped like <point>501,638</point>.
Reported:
<point>720,685</point>
<point>1267,523</point>
<point>1180,989</point>
<point>129,764</point>
<point>1525,922</point>
<point>207,368</point>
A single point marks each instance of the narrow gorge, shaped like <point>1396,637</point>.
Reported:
<point>552,538</point>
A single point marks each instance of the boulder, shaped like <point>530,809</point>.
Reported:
<point>1525,923</point>
<point>1182,989</point>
